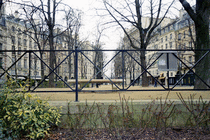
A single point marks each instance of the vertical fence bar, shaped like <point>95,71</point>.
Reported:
<point>167,57</point>
<point>76,73</point>
<point>123,70</point>
<point>29,73</point>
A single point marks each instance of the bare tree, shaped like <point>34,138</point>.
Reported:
<point>98,56</point>
<point>200,16</point>
<point>35,29</point>
<point>46,11</point>
<point>135,18</point>
<point>73,23</point>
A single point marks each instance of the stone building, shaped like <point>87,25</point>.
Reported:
<point>171,34</point>
<point>16,37</point>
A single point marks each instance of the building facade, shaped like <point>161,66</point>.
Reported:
<point>16,37</point>
<point>171,34</point>
<point>17,41</point>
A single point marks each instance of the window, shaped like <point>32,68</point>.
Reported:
<point>170,36</point>
<point>13,39</point>
<point>35,64</point>
<point>25,63</point>
<point>164,30</point>
<point>25,34</point>
<point>170,44</point>
<point>19,41</point>
<point>172,74</point>
<point>184,34</point>
<point>35,46</point>
<point>19,31</point>
<point>166,38</point>
<point>13,49</point>
<point>24,42</point>
<point>161,46</point>
<point>161,40</point>
<point>19,48</point>
<point>190,59</point>
<point>30,44</point>
<point>166,46</point>
<point>19,64</point>
<point>179,36</point>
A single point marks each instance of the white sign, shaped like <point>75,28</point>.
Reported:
<point>172,61</point>
<point>162,62</point>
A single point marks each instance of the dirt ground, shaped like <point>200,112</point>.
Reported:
<point>135,95</point>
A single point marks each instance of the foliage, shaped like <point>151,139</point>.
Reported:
<point>25,116</point>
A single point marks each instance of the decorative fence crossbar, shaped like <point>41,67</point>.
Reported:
<point>128,53</point>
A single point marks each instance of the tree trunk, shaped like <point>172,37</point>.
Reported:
<point>42,65</point>
<point>94,70</point>
<point>201,20</point>
<point>202,42</point>
<point>145,82</point>
<point>69,64</point>
<point>52,59</point>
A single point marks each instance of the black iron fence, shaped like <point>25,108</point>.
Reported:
<point>77,64</point>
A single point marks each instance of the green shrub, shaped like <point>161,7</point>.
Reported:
<point>59,84</point>
<point>25,116</point>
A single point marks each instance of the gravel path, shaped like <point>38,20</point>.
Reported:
<point>135,95</point>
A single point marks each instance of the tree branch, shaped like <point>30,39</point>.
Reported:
<point>189,9</point>
<point>128,36</point>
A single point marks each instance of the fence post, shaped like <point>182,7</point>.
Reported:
<point>167,57</point>
<point>76,73</point>
<point>29,73</point>
<point>123,70</point>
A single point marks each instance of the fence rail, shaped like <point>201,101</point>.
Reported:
<point>13,62</point>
